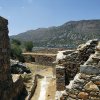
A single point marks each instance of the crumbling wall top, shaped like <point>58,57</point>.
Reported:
<point>3,22</point>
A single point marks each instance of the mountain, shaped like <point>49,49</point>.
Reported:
<point>67,35</point>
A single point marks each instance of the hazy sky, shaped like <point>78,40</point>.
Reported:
<point>24,15</point>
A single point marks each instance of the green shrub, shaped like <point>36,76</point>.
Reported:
<point>16,51</point>
<point>28,46</point>
<point>15,41</point>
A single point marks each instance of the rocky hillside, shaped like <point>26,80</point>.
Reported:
<point>69,34</point>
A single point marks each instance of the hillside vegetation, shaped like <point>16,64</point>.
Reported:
<point>69,35</point>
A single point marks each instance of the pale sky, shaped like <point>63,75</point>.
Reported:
<point>25,15</point>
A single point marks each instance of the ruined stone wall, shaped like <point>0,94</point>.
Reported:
<point>86,84</point>
<point>33,88</point>
<point>60,78</point>
<point>10,88</point>
<point>45,60</point>
<point>81,55</point>
<point>82,69</point>
<point>5,76</point>
<point>40,59</point>
<point>72,61</point>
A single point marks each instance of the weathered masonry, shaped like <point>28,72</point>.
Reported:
<point>41,58</point>
<point>69,66</point>
<point>5,76</point>
<point>85,85</point>
<point>11,86</point>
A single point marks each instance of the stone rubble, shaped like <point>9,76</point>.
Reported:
<point>71,61</point>
<point>18,67</point>
<point>79,57</point>
<point>87,85</point>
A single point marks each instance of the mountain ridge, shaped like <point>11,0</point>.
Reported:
<point>70,34</point>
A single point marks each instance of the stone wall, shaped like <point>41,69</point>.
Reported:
<point>33,88</point>
<point>43,59</point>
<point>60,76</point>
<point>82,69</point>
<point>5,76</point>
<point>80,56</point>
<point>71,61</point>
<point>86,86</point>
<point>10,88</point>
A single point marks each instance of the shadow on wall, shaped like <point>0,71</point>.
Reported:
<point>22,95</point>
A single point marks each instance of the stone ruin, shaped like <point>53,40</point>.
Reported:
<point>13,83</point>
<point>71,60</point>
<point>86,83</point>
<point>42,59</point>
<point>10,85</point>
<point>77,73</point>
<point>5,76</point>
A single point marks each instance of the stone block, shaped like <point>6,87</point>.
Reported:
<point>90,86</point>
<point>89,69</point>
<point>83,95</point>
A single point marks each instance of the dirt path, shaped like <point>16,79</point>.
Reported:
<point>50,95</point>
<point>46,86</point>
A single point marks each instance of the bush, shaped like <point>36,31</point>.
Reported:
<point>16,52</point>
<point>16,42</point>
<point>28,46</point>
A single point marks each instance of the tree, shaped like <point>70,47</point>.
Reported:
<point>16,51</point>
<point>28,45</point>
<point>16,42</point>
